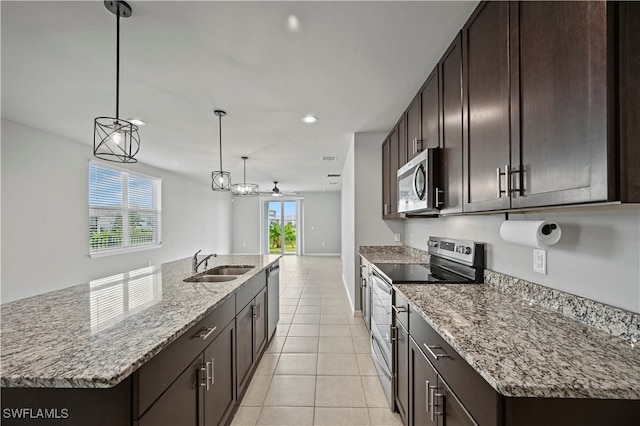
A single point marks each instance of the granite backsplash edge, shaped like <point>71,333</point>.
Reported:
<point>610,319</point>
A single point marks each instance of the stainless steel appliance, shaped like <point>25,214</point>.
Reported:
<point>365,293</point>
<point>452,262</point>
<point>273,298</point>
<point>419,189</point>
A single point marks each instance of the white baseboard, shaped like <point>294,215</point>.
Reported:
<point>322,254</point>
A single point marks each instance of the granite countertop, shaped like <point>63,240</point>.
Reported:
<point>524,350</point>
<point>95,335</point>
<point>393,254</point>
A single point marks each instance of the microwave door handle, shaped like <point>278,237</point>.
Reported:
<point>415,182</point>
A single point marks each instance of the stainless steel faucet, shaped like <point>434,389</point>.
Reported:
<point>195,264</point>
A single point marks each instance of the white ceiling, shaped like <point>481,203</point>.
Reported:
<point>355,65</point>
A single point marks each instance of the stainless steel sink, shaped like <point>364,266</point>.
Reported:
<point>210,278</point>
<point>229,270</point>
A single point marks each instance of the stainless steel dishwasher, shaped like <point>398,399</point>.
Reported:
<point>273,297</point>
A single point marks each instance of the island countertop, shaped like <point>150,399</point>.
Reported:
<point>523,350</point>
<point>94,335</point>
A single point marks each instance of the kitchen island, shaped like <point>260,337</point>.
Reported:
<point>95,338</point>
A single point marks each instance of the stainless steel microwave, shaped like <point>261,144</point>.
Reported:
<point>419,189</point>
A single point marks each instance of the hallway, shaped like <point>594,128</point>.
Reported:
<point>317,369</point>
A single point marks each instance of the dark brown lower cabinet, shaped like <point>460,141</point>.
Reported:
<point>251,338</point>
<point>219,397</point>
<point>432,401</point>
<point>402,372</point>
<point>178,404</point>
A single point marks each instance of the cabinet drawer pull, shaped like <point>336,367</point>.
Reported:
<point>213,365</point>
<point>434,395</point>
<point>433,354</point>
<point>205,370</point>
<point>205,333</point>
<point>426,396</point>
<point>399,309</point>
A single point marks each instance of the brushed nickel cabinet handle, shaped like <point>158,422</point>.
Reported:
<point>206,332</point>
<point>213,380</point>
<point>426,396</point>
<point>500,191</point>
<point>433,354</point>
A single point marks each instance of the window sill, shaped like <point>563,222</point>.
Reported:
<point>105,253</point>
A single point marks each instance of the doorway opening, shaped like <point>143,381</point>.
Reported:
<point>282,220</point>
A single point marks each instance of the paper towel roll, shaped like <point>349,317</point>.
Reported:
<point>531,233</point>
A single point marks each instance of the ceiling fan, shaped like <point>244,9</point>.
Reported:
<point>275,192</point>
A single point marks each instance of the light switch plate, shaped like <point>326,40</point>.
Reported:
<point>540,261</point>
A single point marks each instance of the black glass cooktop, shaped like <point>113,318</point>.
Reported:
<point>399,273</point>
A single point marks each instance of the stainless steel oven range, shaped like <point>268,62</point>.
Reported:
<point>452,261</point>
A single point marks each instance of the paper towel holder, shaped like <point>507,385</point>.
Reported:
<point>549,228</point>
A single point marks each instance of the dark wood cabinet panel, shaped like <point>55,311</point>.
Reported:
<point>422,380</point>
<point>560,102</point>
<point>486,135</point>
<point>401,374</point>
<point>414,127</point>
<point>430,113</point>
<point>179,403</point>
<point>451,124</point>
<point>219,399</point>
<point>402,141</point>
<point>260,326</point>
<point>244,347</point>
<point>386,189</point>
<point>394,150</point>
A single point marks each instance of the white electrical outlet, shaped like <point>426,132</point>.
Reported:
<point>396,237</point>
<point>540,261</point>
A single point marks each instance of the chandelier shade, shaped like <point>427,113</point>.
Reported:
<point>115,139</point>
<point>220,179</point>
<point>245,189</point>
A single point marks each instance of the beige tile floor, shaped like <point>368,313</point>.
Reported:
<point>317,369</point>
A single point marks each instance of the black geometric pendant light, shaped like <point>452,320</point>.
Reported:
<point>115,139</point>
<point>220,180</point>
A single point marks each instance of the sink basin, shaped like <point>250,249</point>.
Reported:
<point>210,278</point>
<point>229,270</point>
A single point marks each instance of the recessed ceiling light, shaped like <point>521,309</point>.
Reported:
<point>136,121</point>
<point>309,119</point>
<point>293,23</point>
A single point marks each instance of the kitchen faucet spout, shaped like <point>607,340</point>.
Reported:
<point>195,264</point>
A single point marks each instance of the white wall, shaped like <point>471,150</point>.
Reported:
<point>322,223</point>
<point>45,216</point>
<point>246,225</point>
<point>598,256</point>
<point>348,225</point>
<point>361,207</point>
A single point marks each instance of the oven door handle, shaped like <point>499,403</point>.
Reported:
<point>382,284</point>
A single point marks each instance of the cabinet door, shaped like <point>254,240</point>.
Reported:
<point>219,398</point>
<point>414,130</point>
<point>394,150</point>
<point>486,135</point>
<point>402,372</point>
<point>455,414</point>
<point>402,141</point>
<point>244,347</point>
<point>451,139</point>
<point>260,323</point>
<point>179,403</point>
<point>430,121</point>
<point>423,386</point>
<point>561,48</point>
<point>386,189</point>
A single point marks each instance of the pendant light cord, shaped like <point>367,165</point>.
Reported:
<point>220,126</point>
<point>118,62</point>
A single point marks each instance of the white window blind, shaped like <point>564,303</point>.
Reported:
<point>124,209</point>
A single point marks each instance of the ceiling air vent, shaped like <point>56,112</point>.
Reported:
<point>333,175</point>
<point>328,158</point>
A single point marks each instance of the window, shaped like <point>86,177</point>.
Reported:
<point>124,210</point>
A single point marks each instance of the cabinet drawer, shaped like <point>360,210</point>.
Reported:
<point>482,401</point>
<point>249,290</point>
<point>160,371</point>
<point>401,309</point>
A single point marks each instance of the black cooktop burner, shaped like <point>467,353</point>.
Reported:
<point>399,273</point>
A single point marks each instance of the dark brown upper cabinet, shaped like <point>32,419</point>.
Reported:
<point>414,130</point>
<point>546,104</point>
<point>486,119</point>
<point>450,68</point>
<point>430,114</point>
<point>392,153</point>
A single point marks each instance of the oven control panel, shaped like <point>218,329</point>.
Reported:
<point>467,252</point>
